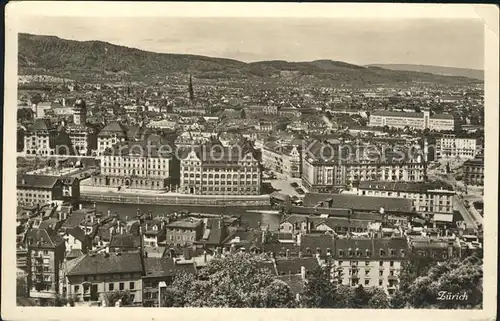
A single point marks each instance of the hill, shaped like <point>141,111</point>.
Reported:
<point>59,57</point>
<point>436,70</point>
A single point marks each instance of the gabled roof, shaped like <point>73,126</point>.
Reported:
<point>42,125</point>
<point>293,266</point>
<point>361,203</point>
<point>164,267</point>
<point>125,241</point>
<point>77,233</point>
<point>38,238</point>
<point>37,181</point>
<point>113,128</point>
<point>108,263</point>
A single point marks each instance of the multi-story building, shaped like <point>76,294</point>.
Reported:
<point>328,165</point>
<point>95,276</point>
<point>159,270</point>
<point>40,189</point>
<point>184,232</point>
<point>46,256</point>
<point>109,136</point>
<point>474,172</point>
<point>282,159</point>
<point>83,137</point>
<point>213,169</point>
<point>270,110</point>
<point>423,120</point>
<point>433,199</point>
<point>141,165</point>
<point>40,139</point>
<point>450,146</point>
<point>369,261</point>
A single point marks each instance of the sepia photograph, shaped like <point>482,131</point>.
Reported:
<point>212,155</point>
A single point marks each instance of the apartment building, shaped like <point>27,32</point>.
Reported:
<point>327,165</point>
<point>40,138</point>
<point>282,159</point>
<point>41,189</point>
<point>138,165</point>
<point>109,136</point>
<point>474,172</point>
<point>95,276</point>
<point>450,146</point>
<point>184,232</point>
<point>422,120</point>
<point>369,261</point>
<point>433,199</point>
<point>46,253</point>
<point>213,169</point>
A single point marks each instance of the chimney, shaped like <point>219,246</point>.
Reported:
<point>205,256</point>
<point>303,273</point>
<point>121,229</point>
<point>287,254</point>
<point>299,239</point>
<point>80,206</point>
<point>263,239</point>
<point>109,212</point>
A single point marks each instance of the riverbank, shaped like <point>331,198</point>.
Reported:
<point>146,197</point>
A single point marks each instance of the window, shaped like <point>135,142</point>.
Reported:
<point>77,288</point>
<point>381,263</point>
<point>111,286</point>
<point>122,286</point>
<point>367,263</point>
<point>381,273</point>
<point>391,263</point>
<point>367,282</point>
<point>380,282</point>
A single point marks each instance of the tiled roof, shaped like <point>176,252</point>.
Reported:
<point>188,223</point>
<point>293,266</point>
<point>387,113</point>
<point>108,263</point>
<point>361,203</point>
<point>77,233</point>
<point>405,186</point>
<point>41,238</point>
<point>371,248</point>
<point>313,242</point>
<point>162,267</point>
<point>125,241</point>
<point>113,128</point>
<point>37,181</point>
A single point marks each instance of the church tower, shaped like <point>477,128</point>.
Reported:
<point>80,112</point>
<point>191,91</point>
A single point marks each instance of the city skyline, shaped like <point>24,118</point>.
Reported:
<point>457,43</point>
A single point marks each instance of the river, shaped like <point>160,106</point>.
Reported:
<point>250,217</point>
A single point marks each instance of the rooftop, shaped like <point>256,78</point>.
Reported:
<point>108,263</point>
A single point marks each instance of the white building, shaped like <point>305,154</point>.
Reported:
<point>423,120</point>
<point>450,146</point>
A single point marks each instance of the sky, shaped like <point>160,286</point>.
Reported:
<point>439,42</point>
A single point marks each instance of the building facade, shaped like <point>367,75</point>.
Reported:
<point>474,172</point>
<point>46,256</point>
<point>95,276</point>
<point>40,138</point>
<point>219,170</point>
<point>369,262</point>
<point>423,120</point>
<point>284,160</point>
<point>137,165</point>
<point>433,199</point>
<point>450,146</point>
<point>109,136</point>
<point>40,189</point>
<point>184,232</point>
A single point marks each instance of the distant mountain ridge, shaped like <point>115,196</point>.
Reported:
<point>38,54</point>
<point>437,70</point>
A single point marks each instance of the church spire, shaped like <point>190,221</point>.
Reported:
<point>191,92</point>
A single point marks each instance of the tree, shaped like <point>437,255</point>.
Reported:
<point>319,291</point>
<point>113,297</point>
<point>235,281</point>
<point>378,299</point>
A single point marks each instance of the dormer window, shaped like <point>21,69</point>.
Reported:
<point>392,252</point>
<point>402,253</point>
<point>382,252</point>
<point>341,252</point>
<point>358,252</point>
<point>350,252</point>
<point>328,251</point>
<point>318,250</point>
<point>368,253</point>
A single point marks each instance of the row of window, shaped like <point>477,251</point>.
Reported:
<point>359,253</point>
